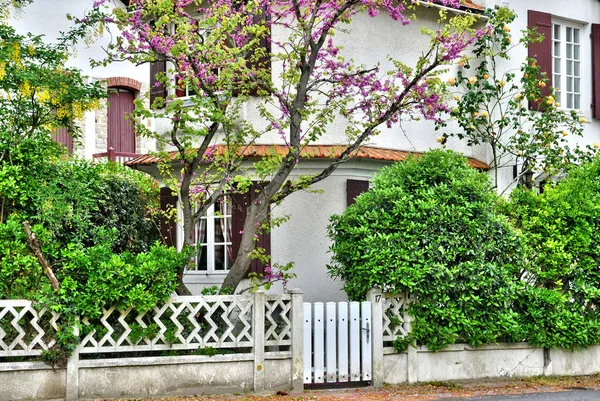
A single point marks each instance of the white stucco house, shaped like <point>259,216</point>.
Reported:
<point>570,54</point>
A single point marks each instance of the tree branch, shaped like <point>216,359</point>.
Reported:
<point>33,244</point>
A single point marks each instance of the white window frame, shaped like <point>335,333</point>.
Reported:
<point>210,275</point>
<point>209,243</point>
<point>569,61</point>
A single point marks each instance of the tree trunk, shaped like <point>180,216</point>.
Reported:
<point>258,214</point>
<point>188,231</point>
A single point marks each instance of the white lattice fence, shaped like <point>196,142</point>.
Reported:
<point>278,320</point>
<point>25,331</point>
<point>183,323</point>
<point>395,318</point>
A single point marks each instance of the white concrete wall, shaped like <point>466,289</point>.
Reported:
<point>462,362</point>
<point>143,377</point>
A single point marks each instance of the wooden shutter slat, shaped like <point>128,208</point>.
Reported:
<point>168,227</point>
<point>61,135</point>
<point>541,51</point>
<point>240,204</point>
<point>596,70</point>
<point>355,188</point>
<point>156,88</point>
<point>121,132</point>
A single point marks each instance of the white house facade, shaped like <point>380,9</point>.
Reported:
<point>570,54</point>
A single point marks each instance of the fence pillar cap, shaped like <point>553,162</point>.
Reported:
<point>294,291</point>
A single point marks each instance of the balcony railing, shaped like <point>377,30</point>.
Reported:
<point>114,156</point>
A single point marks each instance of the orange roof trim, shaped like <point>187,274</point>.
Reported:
<point>310,152</point>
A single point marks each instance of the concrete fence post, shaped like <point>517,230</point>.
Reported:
<point>412,364</point>
<point>259,340</point>
<point>297,340</point>
<point>72,376</point>
<point>375,296</point>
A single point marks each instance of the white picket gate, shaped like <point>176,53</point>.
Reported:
<point>337,342</point>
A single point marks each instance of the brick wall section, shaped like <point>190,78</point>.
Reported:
<point>124,82</point>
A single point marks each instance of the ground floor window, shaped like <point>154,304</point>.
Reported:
<point>213,233</point>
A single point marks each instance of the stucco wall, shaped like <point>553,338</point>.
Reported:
<point>144,377</point>
<point>461,362</point>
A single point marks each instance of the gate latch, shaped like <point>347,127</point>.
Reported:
<point>368,329</point>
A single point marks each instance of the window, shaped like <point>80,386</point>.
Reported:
<point>566,64</point>
<point>219,236</point>
<point>213,233</point>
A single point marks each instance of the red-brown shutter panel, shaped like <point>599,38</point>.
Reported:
<point>240,204</point>
<point>355,188</point>
<point>168,227</point>
<point>263,64</point>
<point>156,88</point>
<point>62,136</point>
<point>596,70</point>
<point>121,132</point>
<point>541,51</point>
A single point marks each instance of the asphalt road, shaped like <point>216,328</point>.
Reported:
<point>576,395</point>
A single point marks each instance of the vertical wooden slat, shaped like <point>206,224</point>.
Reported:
<point>121,132</point>
<point>240,204</point>
<point>331,342</point>
<point>61,135</point>
<point>366,339</point>
<point>342,341</point>
<point>168,227</point>
<point>319,345</point>
<point>354,341</point>
<point>156,88</point>
<point>596,70</point>
<point>307,310</point>
<point>355,188</point>
<point>541,51</point>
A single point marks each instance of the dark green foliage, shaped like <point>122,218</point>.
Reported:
<point>430,227</point>
<point>561,227</point>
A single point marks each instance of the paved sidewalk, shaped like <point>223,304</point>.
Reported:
<point>583,388</point>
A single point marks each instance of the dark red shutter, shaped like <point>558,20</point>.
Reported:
<point>121,132</point>
<point>541,51</point>
<point>156,88</point>
<point>62,136</point>
<point>355,188</point>
<point>262,64</point>
<point>240,204</point>
<point>168,227</point>
<point>596,70</point>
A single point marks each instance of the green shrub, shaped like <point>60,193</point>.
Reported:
<point>561,228</point>
<point>431,227</point>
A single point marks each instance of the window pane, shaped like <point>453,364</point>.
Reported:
<point>569,101</point>
<point>576,52</point>
<point>569,34</point>
<point>202,264</point>
<point>575,35</point>
<point>556,49</point>
<point>556,31</point>
<point>569,51</point>
<point>577,72</point>
<point>558,96</point>
<point>576,99</point>
<point>569,84</point>
<point>569,68</point>
<point>220,257</point>
<point>577,85</point>
<point>557,65</point>
<point>201,232</point>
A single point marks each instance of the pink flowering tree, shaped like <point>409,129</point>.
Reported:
<point>216,54</point>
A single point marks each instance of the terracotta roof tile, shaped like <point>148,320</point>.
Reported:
<point>308,152</point>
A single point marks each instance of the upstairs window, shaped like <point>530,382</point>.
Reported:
<point>566,64</point>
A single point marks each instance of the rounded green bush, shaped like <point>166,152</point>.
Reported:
<point>431,227</point>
